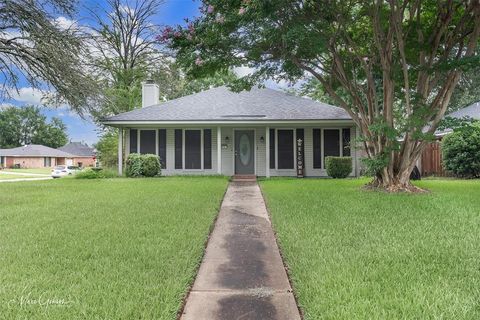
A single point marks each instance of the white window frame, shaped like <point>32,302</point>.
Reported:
<point>201,149</point>
<point>322,142</point>
<point>156,138</point>
<point>294,148</point>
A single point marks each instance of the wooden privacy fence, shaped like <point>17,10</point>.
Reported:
<point>432,160</point>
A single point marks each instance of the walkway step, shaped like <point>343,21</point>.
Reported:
<point>242,274</point>
<point>244,178</point>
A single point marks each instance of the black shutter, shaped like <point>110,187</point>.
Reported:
<point>162,147</point>
<point>133,140</point>
<point>317,148</point>
<point>285,149</point>
<point>272,148</point>
<point>147,142</point>
<point>331,142</point>
<point>346,142</point>
<point>207,149</point>
<point>178,149</point>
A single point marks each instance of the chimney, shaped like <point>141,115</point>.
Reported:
<point>150,93</point>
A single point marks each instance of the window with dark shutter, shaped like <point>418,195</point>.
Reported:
<point>162,147</point>
<point>193,150</point>
<point>317,148</point>
<point>147,142</point>
<point>346,142</point>
<point>272,148</point>
<point>331,142</point>
<point>207,149</point>
<point>178,149</point>
<point>285,149</point>
<point>133,140</point>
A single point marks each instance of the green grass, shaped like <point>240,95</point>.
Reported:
<point>15,176</point>
<point>357,254</point>
<point>102,249</point>
<point>32,170</point>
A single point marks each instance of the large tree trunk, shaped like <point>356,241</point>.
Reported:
<point>395,177</point>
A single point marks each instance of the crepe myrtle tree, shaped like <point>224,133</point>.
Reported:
<point>392,65</point>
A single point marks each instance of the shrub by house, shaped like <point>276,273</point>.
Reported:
<point>338,167</point>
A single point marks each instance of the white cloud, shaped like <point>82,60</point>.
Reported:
<point>6,105</point>
<point>65,23</point>
<point>243,71</point>
<point>28,95</point>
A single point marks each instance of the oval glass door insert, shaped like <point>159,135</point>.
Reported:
<point>245,149</point>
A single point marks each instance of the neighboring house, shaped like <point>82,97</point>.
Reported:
<point>260,132</point>
<point>431,160</point>
<point>32,156</point>
<point>83,155</point>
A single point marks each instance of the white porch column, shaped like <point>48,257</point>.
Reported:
<point>219,150</point>
<point>120,151</point>
<point>267,152</point>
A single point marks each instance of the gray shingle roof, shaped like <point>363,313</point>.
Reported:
<point>221,104</point>
<point>472,111</point>
<point>34,150</point>
<point>78,149</point>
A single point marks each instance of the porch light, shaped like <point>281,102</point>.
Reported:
<point>262,139</point>
<point>227,139</point>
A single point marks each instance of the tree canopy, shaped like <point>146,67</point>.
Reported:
<point>392,65</point>
<point>35,46</point>
<point>27,125</point>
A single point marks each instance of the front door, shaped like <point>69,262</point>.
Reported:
<point>244,152</point>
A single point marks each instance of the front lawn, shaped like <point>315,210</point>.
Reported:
<point>357,254</point>
<point>102,249</point>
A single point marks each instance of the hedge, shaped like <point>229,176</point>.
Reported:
<point>338,167</point>
<point>143,165</point>
<point>461,152</point>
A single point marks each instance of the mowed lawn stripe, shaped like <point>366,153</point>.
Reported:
<point>111,249</point>
<point>357,254</point>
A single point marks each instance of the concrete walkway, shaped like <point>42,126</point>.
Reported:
<point>242,275</point>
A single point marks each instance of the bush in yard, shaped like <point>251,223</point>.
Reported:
<point>95,173</point>
<point>143,165</point>
<point>150,165</point>
<point>134,165</point>
<point>461,152</point>
<point>338,167</point>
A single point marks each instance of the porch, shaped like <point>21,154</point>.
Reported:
<point>266,150</point>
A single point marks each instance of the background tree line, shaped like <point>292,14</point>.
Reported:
<point>27,125</point>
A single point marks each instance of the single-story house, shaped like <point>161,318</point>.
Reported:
<point>261,132</point>
<point>431,160</point>
<point>82,154</point>
<point>32,156</point>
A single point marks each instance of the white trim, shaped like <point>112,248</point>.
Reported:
<point>254,148</point>
<point>156,142</point>
<point>232,123</point>
<point>120,151</point>
<point>267,152</point>
<point>294,148</point>
<point>219,150</point>
<point>201,149</point>
<point>139,140</point>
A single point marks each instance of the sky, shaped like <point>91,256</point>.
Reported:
<point>171,12</point>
